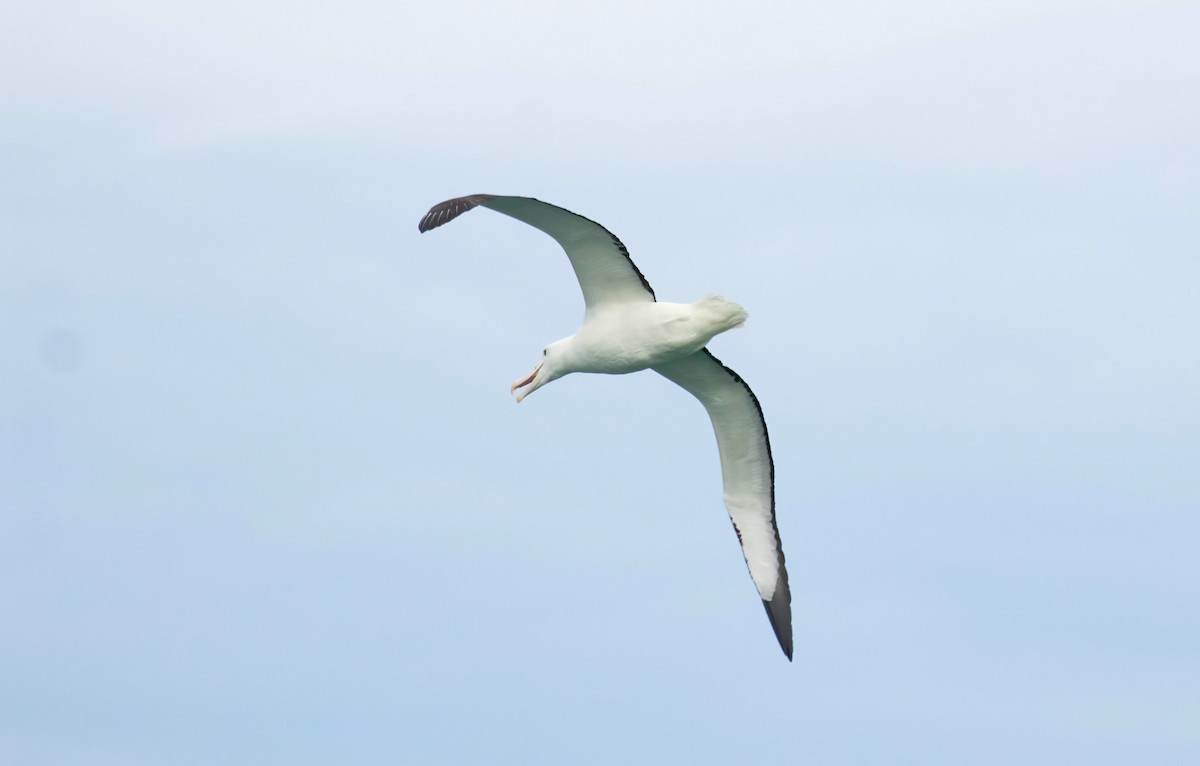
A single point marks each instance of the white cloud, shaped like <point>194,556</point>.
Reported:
<point>979,84</point>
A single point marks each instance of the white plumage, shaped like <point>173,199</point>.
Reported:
<point>626,330</point>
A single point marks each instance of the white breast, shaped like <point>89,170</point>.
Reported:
<point>622,339</point>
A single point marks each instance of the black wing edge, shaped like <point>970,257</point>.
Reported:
<point>445,212</point>
<point>779,612</point>
<point>779,608</point>
<point>625,252</point>
<point>616,243</point>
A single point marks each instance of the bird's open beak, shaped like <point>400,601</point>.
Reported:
<point>532,381</point>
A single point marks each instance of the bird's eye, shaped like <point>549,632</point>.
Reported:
<point>544,351</point>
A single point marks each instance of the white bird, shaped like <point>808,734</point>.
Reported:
<point>625,330</point>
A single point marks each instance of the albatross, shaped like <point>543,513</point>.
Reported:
<point>626,329</point>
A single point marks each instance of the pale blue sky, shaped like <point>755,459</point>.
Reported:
<point>265,499</point>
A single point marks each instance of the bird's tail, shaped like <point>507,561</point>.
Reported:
<point>721,314</point>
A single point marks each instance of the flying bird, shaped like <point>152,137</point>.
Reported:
<point>626,329</point>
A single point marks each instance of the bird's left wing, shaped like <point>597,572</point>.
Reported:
<point>605,271</point>
<point>748,474</point>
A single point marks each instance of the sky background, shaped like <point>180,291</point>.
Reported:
<point>264,496</point>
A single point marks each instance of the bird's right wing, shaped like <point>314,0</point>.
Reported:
<point>606,273</point>
<point>748,474</point>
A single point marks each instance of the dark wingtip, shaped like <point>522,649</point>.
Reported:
<point>445,212</point>
<point>779,612</point>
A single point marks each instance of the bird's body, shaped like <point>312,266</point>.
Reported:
<point>625,329</point>
<point>616,340</point>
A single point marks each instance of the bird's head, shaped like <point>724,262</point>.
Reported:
<point>552,367</point>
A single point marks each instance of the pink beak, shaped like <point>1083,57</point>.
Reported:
<point>526,382</point>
